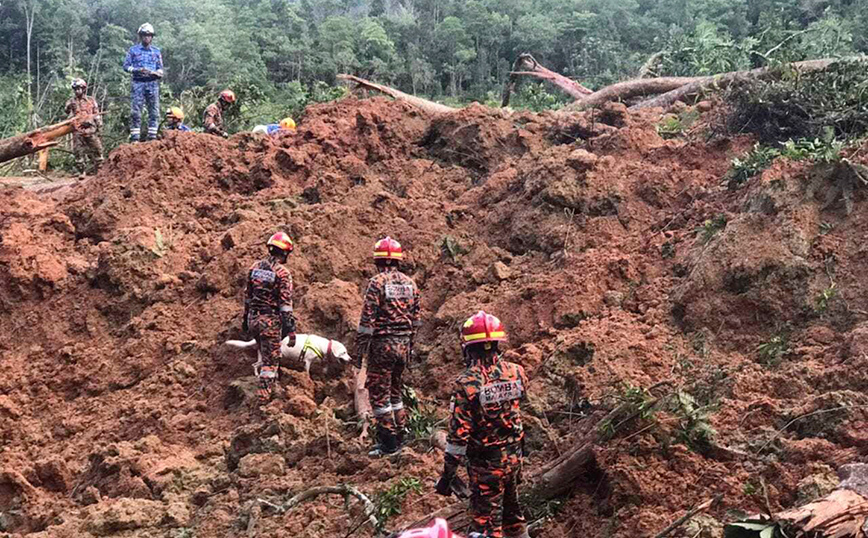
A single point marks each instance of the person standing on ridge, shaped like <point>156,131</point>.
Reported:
<point>86,143</point>
<point>145,63</point>
<point>486,429</point>
<point>268,310</point>
<point>388,325</point>
<point>212,120</point>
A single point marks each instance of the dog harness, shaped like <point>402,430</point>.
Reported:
<point>308,346</point>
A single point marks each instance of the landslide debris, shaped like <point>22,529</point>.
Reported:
<point>121,414</point>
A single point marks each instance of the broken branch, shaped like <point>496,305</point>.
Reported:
<point>683,519</point>
<point>343,490</point>
<point>422,104</point>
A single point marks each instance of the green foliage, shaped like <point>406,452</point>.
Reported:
<point>754,528</point>
<point>280,55</point>
<point>421,418</point>
<point>536,97</point>
<point>804,105</point>
<point>773,350</point>
<point>693,428</point>
<point>388,503</point>
<point>754,162</point>
<point>826,296</point>
<point>674,125</point>
<point>637,402</point>
<point>710,228</point>
<point>821,150</point>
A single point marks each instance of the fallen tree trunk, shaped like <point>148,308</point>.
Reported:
<point>629,89</point>
<point>422,104</point>
<point>527,66</point>
<point>724,80</point>
<point>27,143</point>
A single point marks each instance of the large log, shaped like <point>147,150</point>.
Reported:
<point>724,80</point>
<point>422,104</point>
<point>27,143</point>
<point>527,66</point>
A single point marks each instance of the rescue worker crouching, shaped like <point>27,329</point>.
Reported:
<point>273,129</point>
<point>175,120</point>
<point>486,430</point>
<point>388,325</point>
<point>212,119</point>
<point>86,143</point>
<point>268,310</point>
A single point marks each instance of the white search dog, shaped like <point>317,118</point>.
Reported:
<point>307,348</point>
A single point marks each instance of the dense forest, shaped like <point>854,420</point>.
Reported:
<point>279,55</point>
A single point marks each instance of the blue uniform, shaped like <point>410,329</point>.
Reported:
<point>272,128</point>
<point>178,127</point>
<point>145,88</point>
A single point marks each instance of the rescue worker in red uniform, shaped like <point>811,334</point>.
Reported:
<point>86,143</point>
<point>486,431</point>
<point>390,319</point>
<point>212,120</point>
<point>268,310</point>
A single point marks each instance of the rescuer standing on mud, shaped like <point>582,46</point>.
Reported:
<point>486,430</point>
<point>213,117</point>
<point>145,63</point>
<point>268,310</point>
<point>86,143</point>
<point>390,319</point>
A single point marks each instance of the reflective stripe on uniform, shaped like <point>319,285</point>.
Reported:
<point>397,406</point>
<point>480,336</point>
<point>365,330</point>
<point>456,450</point>
<point>286,308</point>
<point>268,372</point>
<point>380,411</point>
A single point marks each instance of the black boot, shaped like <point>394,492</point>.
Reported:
<point>387,444</point>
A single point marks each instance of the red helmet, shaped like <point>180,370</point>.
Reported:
<point>388,249</point>
<point>282,241</point>
<point>482,327</point>
<point>438,529</point>
<point>228,96</point>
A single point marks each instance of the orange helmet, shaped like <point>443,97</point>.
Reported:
<point>388,249</point>
<point>482,327</point>
<point>227,96</point>
<point>438,529</point>
<point>281,241</point>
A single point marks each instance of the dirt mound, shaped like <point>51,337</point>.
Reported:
<point>614,257</point>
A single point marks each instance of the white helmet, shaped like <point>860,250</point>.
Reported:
<point>146,29</point>
<point>260,129</point>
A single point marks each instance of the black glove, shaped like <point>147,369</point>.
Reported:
<point>287,325</point>
<point>460,489</point>
<point>245,325</point>
<point>444,485</point>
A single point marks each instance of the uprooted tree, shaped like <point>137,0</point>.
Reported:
<point>640,92</point>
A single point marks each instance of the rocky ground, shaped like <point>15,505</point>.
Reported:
<point>616,258</point>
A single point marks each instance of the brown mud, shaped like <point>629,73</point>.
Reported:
<point>121,414</point>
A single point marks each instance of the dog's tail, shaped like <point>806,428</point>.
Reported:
<point>241,344</point>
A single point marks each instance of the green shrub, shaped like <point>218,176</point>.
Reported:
<point>754,162</point>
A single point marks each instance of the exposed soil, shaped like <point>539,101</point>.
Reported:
<point>122,414</point>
